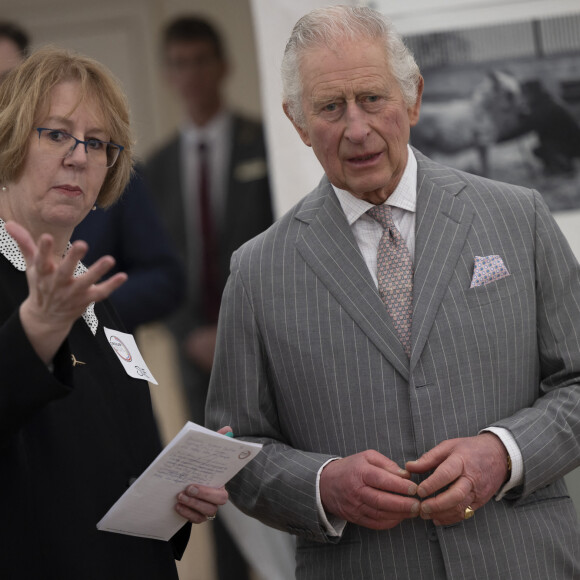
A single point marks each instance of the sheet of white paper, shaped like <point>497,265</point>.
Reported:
<point>195,455</point>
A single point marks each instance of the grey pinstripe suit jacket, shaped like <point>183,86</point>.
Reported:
<point>308,363</point>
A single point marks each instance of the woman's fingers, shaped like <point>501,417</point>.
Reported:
<point>52,283</point>
<point>69,263</point>
<point>43,261</point>
<point>103,290</point>
<point>198,503</point>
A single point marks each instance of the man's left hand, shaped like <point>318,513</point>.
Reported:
<point>472,468</point>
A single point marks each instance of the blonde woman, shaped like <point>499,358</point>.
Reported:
<point>75,428</point>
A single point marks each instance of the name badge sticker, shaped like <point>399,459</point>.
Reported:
<point>126,349</point>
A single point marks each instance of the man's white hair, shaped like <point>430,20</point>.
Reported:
<point>327,27</point>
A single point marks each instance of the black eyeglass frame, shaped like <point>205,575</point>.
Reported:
<point>118,148</point>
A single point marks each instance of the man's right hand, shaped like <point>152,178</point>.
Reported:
<point>369,490</point>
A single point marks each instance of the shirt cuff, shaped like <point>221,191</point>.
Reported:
<point>333,526</point>
<point>517,475</point>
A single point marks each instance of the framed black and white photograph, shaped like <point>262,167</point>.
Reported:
<point>503,101</point>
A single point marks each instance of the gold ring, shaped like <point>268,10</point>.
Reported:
<point>468,513</point>
<point>210,518</point>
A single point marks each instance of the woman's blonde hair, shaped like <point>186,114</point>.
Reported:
<point>25,98</point>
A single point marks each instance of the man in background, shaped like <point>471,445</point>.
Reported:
<point>211,186</point>
<point>404,342</point>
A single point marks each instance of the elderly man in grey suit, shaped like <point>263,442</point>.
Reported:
<point>404,342</point>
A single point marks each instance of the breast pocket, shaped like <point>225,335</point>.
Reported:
<point>494,291</point>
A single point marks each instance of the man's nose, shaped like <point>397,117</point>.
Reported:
<point>357,126</point>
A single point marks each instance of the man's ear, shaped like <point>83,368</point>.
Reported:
<point>302,132</point>
<point>414,110</point>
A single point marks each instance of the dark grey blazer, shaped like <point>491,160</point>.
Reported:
<point>308,362</point>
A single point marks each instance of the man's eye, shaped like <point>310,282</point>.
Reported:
<point>371,98</point>
<point>95,144</point>
<point>331,107</point>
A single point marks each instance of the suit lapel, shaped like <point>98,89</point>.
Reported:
<point>329,248</point>
<point>443,222</point>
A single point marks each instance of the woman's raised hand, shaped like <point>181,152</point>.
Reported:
<point>56,298</point>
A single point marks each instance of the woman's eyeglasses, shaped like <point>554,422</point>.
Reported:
<point>58,143</point>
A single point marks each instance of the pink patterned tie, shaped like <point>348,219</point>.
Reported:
<point>395,274</point>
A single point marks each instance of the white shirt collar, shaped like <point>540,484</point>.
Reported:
<point>404,196</point>
<point>210,133</point>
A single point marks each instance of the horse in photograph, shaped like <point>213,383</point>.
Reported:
<point>494,111</point>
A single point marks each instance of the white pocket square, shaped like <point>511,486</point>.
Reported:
<point>488,269</point>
